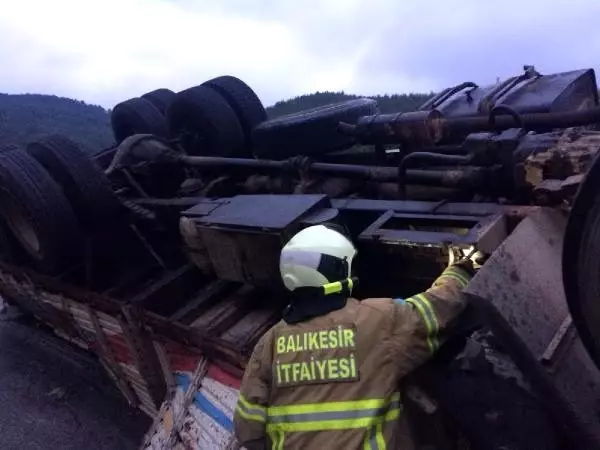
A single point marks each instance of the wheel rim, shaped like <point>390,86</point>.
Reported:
<point>20,225</point>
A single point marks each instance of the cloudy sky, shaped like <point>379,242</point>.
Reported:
<point>105,51</point>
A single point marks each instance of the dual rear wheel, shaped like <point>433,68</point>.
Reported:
<point>224,117</point>
<point>52,197</point>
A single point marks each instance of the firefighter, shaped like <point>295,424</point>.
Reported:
<point>326,376</point>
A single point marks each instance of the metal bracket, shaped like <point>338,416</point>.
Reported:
<point>552,353</point>
<point>436,230</point>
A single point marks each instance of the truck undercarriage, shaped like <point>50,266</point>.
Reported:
<point>161,255</point>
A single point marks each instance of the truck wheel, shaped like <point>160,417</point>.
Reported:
<point>310,132</point>
<point>242,99</point>
<point>84,185</point>
<point>10,250</point>
<point>137,116</point>
<point>160,98</point>
<point>37,213</point>
<point>205,123</point>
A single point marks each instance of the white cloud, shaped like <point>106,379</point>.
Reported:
<point>106,51</point>
<point>109,50</point>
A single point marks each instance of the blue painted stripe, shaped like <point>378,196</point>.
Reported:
<point>183,381</point>
<point>204,404</point>
<point>213,412</point>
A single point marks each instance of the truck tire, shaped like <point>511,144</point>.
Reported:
<point>84,185</point>
<point>242,99</point>
<point>10,250</point>
<point>206,124</point>
<point>310,132</point>
<point>160,98</point>
<point>137,116</point>
<point>37,213</point>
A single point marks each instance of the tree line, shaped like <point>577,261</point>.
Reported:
<point>28,117</point>
<point>387,103</point>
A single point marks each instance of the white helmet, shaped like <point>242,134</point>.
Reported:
<point>316,256</point>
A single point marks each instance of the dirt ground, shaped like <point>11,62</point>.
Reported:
<point>54,395</point>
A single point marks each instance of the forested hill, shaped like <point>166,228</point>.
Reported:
<point>25,118</point>
<point>387,103</point>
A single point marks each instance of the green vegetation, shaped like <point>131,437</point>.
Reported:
<point>387,103</point>
<point>25,118</point>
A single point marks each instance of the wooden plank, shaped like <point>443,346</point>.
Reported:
<point>227,312</point>
<point>253,325</point>
<point>144,353</point>
<point>224,353</point>
<point>227,355</point>
<point>52,285</point>
<point>189,396</point>
<point>122,385</point>
<point>111,361</point>
<point>175,285</point>
<point>207,296</point>
<point>165,366</point>
<point>162,424</point>
<point>120,288</point>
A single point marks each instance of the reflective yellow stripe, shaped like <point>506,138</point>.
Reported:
<point>280,438</point>
<point>431,342</point>
<point>277,438</point>
<point>367,443</point>
<point>457,275</point>
<point>336,416</point>
<point>379,437</point>
<point>375,439</point>
<point>352,414</point>
<point>461,282</point>
<point>393,414</point>
<point>331,425</point>
<point>249,416</point>
<point>251,411</point>
<point>249,405</point>
<point>431,312</point>
<point>427,313</point>
<point>337,286</point>
<point>332,406</point>
<point>332,288</point>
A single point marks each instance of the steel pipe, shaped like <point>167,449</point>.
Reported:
<point>465,177</point>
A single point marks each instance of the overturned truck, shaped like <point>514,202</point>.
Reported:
<point>161,254</point>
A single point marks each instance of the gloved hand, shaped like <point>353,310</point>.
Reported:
<point>470,258</point>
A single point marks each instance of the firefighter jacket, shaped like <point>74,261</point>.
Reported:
<point>331,382</point>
